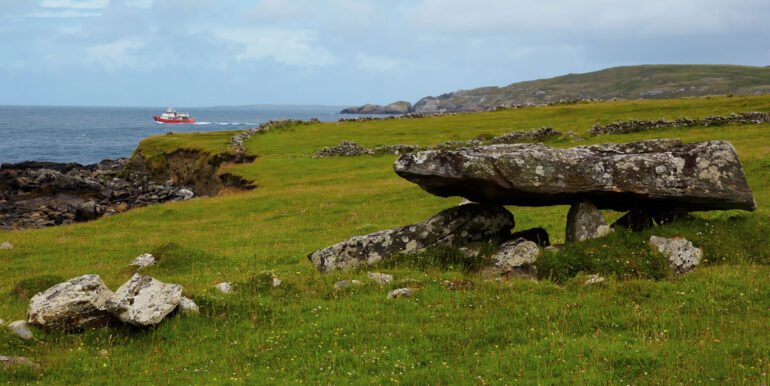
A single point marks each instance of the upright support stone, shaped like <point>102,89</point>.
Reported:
<point>585,222</point>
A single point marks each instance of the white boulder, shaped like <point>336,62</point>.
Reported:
<point>20,328</point>
<point>682,255</point>
<point>144,260</point>
<point>72,305</point>
<point>144,301</point>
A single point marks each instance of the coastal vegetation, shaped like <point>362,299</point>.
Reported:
<point>641,325</point>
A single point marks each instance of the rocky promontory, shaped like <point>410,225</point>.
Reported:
<point>399,107</point>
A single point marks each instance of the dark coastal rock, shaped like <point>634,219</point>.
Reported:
<point>656,173</point>
<point>454,227</point>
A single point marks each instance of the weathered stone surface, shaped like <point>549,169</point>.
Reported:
<point>6,245</point>
<point>225,287</point>
<point>188,306</point>
<point>514,258</point>
<point>9,362</point>
<point>342,284</point>
<point>655,173</point>
<point>144,301</point>
<point>380,278</point>
<point>399,293</point>
<point>593,279</point>
<point>682,255</point>
<point>73,305</point>
<point>537,235</point>
<point>585,222</point>
<point>144,260</point>
<point>20,328</point>
<point>454,227</point>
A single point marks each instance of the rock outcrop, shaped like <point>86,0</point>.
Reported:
<point>454,227</point>
<point>682,255</point>
<point>655,173</point>
<point>70,306</point>
<point>144,301</point>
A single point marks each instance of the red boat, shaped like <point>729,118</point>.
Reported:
<point>171,116</point>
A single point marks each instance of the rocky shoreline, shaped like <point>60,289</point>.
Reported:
<point>41,194</point>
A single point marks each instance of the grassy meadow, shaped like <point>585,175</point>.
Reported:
<point>642,325</point>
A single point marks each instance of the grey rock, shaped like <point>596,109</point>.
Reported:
<point>224,287</point>
<point>342,284</point>
<point>682,255</point>
<point>73,305</point>
<point>185,194</point>
<point>188,306</point>
<point>380,278</point>
<point>585,222</point>
<point>513,258</point>
<point>144,260</point>
<point>9,362</point>
<point>655,173</point>
<point>6,245</point>
<point>144,301</point>
<point>593,279</point>
<point>399,293</point>
<point>453,227</point>
<point>89,210</point>
<point>276,281</point>
<point>20,328</point>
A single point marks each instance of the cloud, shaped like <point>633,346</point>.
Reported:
<point>116,55</point>
<point>76,4</point>
<point>286,46</point>
<point>376,63</point>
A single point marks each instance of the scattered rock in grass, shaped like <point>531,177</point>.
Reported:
<point>682,255</point>
<point>144,301</point>
<point>585,222</point>
<point>342,284</point>
<point>555,248</point>
<point>399,293</point>
<point>514,258</point>
<point>593,279</point>
<point>9,362</point>
<point>144,260</point>
<point>20,328</point>
<point>72,305</point>
<point>188,306</point>
<point>537,235</point>
<point>456,226</point>
<point>344,149</point>
<point>276,281</point>
<point>6,245</point>
<point>224,287</point>
<point>185,194</point>
<point>380,278</point>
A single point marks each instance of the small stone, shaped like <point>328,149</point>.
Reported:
<point>20,328</point>
<point>185,194</point>
<point>225,287</point>
<point>342,284</point>
<point>276,281</point>
<point>8,362</point>
<point>144,260</point>
<point>103,352</point>
<point>593,279</point>
<point>143,301</point>
<point>6,245</point>
<point>399,293</point>
<point>682,255</point>
<point>585,222</point>
<point>188,306</point>
<point>380,278</point>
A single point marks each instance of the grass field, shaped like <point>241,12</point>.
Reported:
<point>712,325</point>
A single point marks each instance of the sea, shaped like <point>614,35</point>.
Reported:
<point>88,135</point>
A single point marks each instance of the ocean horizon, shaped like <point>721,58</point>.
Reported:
<point>89,134</point>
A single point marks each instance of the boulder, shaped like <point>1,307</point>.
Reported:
<point>6,245</point>
<point>8,362</point>
<point>144,301</point>
<point>20,328</point>
<point>453,227</point>
<point>144,260</point>
<point>682,255</point>
<point>380,278</point>
<point>654,173</point>
<point>585,222</point>
<point>187,306</point>
<point>514,257</point>
<point>73,305</point>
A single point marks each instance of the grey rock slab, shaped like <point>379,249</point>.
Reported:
<point>72,305</point>
<point>21,329</point>
<point>380,278</point>
<point>585,222</point>
<point>682,255</point>
<point>6,245</point>
<point>144,301</point>
<point>654,173</point>
<point>399,293</point>
<point>188,306</point>
<point>144,260</point>
<point>455,226</point>
<point>7,362</point>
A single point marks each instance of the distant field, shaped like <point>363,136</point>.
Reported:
<point>708,326</point>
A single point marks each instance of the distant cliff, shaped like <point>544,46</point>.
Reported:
<point>632,82</point>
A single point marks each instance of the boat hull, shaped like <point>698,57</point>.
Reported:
<point>159,119</point>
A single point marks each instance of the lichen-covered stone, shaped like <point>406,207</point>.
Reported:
<point>144,301</point>
<point>695,176</point>
<point>20,328</point>
<point>593,279</point>
<point>399,293</point>
<point>682,255</point>
<point>144,260</point>
<point>380,278</point>
<point>514,257</point>
<point>454,227</point>
<point>73,305</point>
<point>188,306</point>
<point>585,222</point>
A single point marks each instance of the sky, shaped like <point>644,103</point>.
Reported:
<point>345,52</point>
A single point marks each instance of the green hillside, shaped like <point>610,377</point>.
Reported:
<point>710,325</point>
